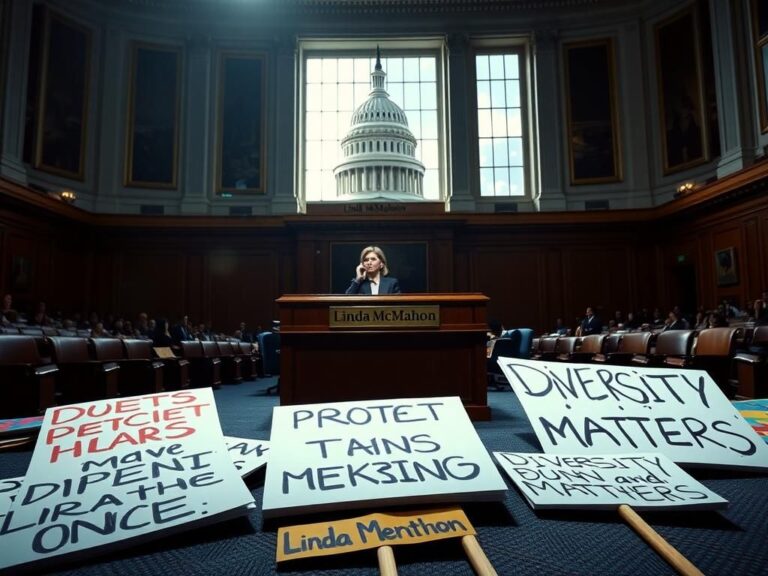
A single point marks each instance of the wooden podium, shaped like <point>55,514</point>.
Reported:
<point>339,348</point>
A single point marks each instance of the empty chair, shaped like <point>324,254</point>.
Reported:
<point>713,351</point>
<point>203,371</point>
<point>752,366</point>
<point>610,347</point>
<point>231,371</point>
<point>246,353</point>
<point>546,348</point>
<point>508,346</point>
<point>526,342</point>
<point>175,369</point>
<point>140,355</point>
<point>81,378</point>
<point>673,348</point>
<point>590,346</point>
<point>137,376</point>
<point>566,346</point>
<point>27,384</point>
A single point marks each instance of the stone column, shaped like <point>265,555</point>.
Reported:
<point>197,149</point>
<point>461,196</point>
<point>730,39</point>
<point>281,185</point>
<point>550,128</point>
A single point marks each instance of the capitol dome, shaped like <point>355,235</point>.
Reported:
<point>379,151</point>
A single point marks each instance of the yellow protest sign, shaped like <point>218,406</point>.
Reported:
<point>372,531</point>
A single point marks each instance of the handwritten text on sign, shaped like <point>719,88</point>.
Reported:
<point>372,531</point>
<point>644,481</point>
<point>353,453</point>
<point>108,471</point>
<point>618,409</point>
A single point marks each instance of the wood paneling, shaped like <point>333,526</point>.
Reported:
<point>534,267</point>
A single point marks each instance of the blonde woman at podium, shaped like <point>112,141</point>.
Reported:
<point>372,274</point>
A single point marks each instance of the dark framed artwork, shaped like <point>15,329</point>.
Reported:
<point>153,117</point>
<point>594,150</point>
<point>726,270</point>
<point>241,143</point>
<point>759,17</point>
<point>406,261</point>
<point>61,122</point>
<point>683,122</point>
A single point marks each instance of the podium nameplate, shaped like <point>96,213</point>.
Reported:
<point>351,317</point>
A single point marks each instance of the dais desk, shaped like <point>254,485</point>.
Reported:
<point>337,348</point>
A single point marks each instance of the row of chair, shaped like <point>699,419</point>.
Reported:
<point>716,350</point>
<point>73,369</point>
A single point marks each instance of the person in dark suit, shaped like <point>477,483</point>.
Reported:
<point>180,331</point>
<point>371,275</point>
<point>591,324</point>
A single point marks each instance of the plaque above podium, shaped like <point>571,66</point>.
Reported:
<point>336,348</point>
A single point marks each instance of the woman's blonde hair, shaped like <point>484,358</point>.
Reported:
<point>380,253</point>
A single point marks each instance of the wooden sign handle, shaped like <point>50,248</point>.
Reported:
<point>477,557</point>
<point>664,548</point>
<point>387,565</point>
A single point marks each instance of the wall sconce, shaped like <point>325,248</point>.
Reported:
<point>67,196</point>
<point>684,188</point>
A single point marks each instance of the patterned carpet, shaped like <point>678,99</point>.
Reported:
<point>516,539</point>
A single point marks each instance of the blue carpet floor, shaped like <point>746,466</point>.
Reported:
<point>516,539</point>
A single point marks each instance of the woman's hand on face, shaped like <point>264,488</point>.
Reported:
<point>360,273</point>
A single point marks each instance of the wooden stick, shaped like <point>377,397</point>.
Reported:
<point>664,548</point>
<point>387,565</point>
<point>477,557</point>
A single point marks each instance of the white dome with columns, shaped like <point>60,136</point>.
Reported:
<point>379,151</point>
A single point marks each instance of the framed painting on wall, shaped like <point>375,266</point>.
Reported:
<point>725,267</point>
<point>406,261</point>
<point>153,117</point>
<point>683,123</point>
<point>61,122</point>
<point>241,130</point>
<point>594,150</point>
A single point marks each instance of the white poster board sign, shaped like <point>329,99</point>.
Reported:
<point>114,471</point>
<point>577,408</point>
<point>247,455</point>
<point>376,452</point>
<point>642,481</point>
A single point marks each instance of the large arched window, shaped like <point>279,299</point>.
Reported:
<point>336,79</point>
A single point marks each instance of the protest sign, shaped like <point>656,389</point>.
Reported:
<point>117,471</point>
<point>644,481</point>
<point>576,408</point>
<point>383,452</point>
<point>247,455</point>
<point>755,412</point>
<point>371,531</point>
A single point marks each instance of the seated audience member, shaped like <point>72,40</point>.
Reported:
<point>731,311</point>
<point>717,320</point>
<point>591,324</point>
<point>8,315</point>
<point>631,323</point>
<point>98,331</point>
<point>657,320</point>
<point>245,335</point>
<point>142,325</point>
<point>702,320</point>
<point>675,322</point>
<point>180,331</point>
<point>161,336</point>
<point>40,317</point>
<point>560,328</point>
